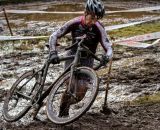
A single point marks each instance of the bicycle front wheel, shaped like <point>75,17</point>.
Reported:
<point>65,105</point>
<point>21,96</point>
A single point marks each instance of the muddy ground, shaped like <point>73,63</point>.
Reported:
<point>138,69</point>
<point>146,117</point>
<point>135,73</point>
<point>141,73</point>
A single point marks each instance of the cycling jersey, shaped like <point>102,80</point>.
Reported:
<point>95,33</point>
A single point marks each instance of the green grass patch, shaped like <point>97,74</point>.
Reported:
<point>136,30</point>
<point>147,99</point>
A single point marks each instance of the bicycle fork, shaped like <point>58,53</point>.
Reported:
<point>72,86</point>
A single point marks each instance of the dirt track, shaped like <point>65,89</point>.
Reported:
<point>136,69</point>
<point>140,76</point>
<point>145,117</point>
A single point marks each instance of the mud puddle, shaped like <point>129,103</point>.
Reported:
<point>26,22</point>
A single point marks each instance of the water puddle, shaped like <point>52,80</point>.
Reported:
<point>19,20</point>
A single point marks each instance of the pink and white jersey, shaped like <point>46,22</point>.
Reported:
<point>95,34</point>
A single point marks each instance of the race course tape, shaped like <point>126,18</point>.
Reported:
<point>135,41</point>
<point>138,38</point>
<point>137,44</point>
<point>81,12</point>
<point>138,41</point>
<point>40,12</point>
<point>137,10</point>
<point>145,37</point>
<point>12,38</point>
<point>109,28</point>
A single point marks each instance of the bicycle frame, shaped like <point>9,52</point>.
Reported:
<point>35,93</point>
<point>71,67</point>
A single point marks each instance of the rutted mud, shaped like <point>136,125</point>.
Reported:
<point>135,73</point>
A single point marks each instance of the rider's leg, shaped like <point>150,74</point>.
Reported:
<point>81,89</point>
<point>65,100</point>
<point>64,105</point>
<point>82,83</point>
<point>68,100</point>
<point>83,80</point>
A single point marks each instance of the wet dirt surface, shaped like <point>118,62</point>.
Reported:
<point>135,68</point>
<point>42,24</point>
<point>128,119</point>
<point>142,76</point>
<point>135,73</point>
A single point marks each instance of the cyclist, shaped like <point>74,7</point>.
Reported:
<point>88,25</point>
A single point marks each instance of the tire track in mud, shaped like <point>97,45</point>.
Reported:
<point>138,69</point>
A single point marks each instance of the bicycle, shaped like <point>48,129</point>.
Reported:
<point>29,88</point>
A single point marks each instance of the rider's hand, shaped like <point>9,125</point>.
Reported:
<point>53,57</point>
<point>105,60</point>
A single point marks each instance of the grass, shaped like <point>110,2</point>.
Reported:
<point>147,99</point>
<point>23,46</point>
<point>136,30</point>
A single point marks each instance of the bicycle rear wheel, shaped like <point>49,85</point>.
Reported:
<point>21,96</point>
<point>79,102</point>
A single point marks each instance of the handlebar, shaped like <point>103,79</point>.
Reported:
<point>79,41</point>
<point>82,38</point>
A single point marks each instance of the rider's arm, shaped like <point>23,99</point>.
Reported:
<point>66,28</point>
<point>104,40</point>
